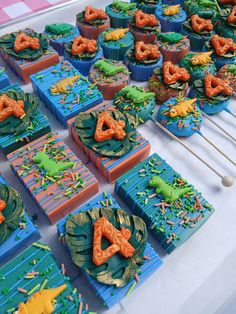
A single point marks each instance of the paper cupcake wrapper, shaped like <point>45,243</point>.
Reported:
<point>147,38</point>
<point>196,43</point>
<point>173,56</point>
<point>221,61</point>
<point>225,31</point>
<point>90,31</point>
<point>116,21</point>
<point>117,53</point>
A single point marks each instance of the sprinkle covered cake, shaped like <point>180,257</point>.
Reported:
<point>4,79</point>
<point>172,209</point>
<point>228,72</point>
<point>54,176</point>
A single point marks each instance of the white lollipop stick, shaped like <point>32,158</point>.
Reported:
<point>225,180</point>
<point>232,114</point>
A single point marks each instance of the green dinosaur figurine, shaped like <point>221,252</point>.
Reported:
<point>170,37</point>
<point>169,193</point>
<point>108,68</point>
<point>51,167</point>
<point>59,28</point>
<point>232,69</point>
<point>123,6</point>
<point>137,95</point>
<point>208,4</point>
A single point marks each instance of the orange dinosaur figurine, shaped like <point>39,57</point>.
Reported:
<point>232,17</point>
<point>199,24</point>
<point>144,51</point>
<point>115,128</point>
<point>3,205</point>
<point>222,45</point>
<point>24,41</point>
<point>93,14</point>
<point>143,19</point>
<point>82,44</point>
<point>118,238</point>
<point>10,107</point>
<point>173,73</point>
<point>215,86</point>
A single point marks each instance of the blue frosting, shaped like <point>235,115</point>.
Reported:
<point>171,23</point>
<point>4,79</point>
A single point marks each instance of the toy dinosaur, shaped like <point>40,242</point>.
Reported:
<point>232,69</point>
<point>215,86</point>
<point>41,302</point>
<point>222,45</point>
<point>58,28</point>
<point>146,51</point>
<point>171,37</point>
<point>3,205</point>
<point>81,44</point>
<point>232,16</point>
<point>51,167</point>
<point>169,193</point>
<point>173,73</point>
<point>93,14</point>
<point>23,41</point>
<point>60,87</point>
<point>137,95</point>
<point>199,24</point>
<point>116,34</point>
<point>108,68</point>
<point>171,10</point>
<point>143,19</point>
<point>207,4</point>
<point>182,108</point>
<point>10,107</point>
<point>123,6</point>
<point>201,58</point>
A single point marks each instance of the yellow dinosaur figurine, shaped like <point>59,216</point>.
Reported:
<point>172,10</point>
<point>117,34</point>
<point>182,108</point>
<point>41,301</point>
<point>60,87</point>
<point>201,58</point>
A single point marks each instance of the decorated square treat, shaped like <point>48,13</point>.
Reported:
<point>53,175</point>
<point>27,52</point>
<point>171,17</point>
<point>65,91</point>
<point>16,229</point>
<point>120,13</point>
<point>21,121</point>
<point>172,209</point>
<point>33,283</point>
<point>4,79</point>
<point>112,274</point>
<point>110,140</point>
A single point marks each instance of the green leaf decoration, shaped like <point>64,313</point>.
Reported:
<point>16,125</point>
<point>83,55</point>
<point>13,213</point>
<point>7,44</point>
<point>117,270</point>
<point>85,126</point>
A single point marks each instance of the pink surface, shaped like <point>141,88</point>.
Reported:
<point>13,9</point>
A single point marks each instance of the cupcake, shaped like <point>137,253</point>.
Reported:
<point>198,30</point>
<point>83,53</point>
<point>110,76</point>
<point>115,42</point>
<point>226,26</point>
<point>136,101</point>
<point>171,17</point>
<point>180,116</point>
<point>142,59</point>
<point>172,2</point>
<point>213,93</point>
<point>168,81</point>
<point>59,34</point>
<point>91,22</point>
<point>144,27</point>
<point>224,50</point>
<point>206,9</point>
<point>198,65</point>
<point>228,72</point>
<point>120,13</point>
<point>173,46</point>
<point>147,6</point>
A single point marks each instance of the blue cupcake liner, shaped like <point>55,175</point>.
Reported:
<point>150,9</point>
<point>116,20</point>
<point>221,61</point>
<point>226,31</point>
<point>142,72</point>
<point>83,66</point>
<point>171,25</point>
<point>197,42</point>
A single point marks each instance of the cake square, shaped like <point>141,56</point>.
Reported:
<point>56,179</point>
<point>110,294</point>
<point>4,79</point>
<point>65,91</point>
<point>112,167</point>
<point>32,274</point>
<point>16,240</point>
<point>172,209</point>
<point>13,136</point>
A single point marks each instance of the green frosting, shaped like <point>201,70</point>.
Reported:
<point>7,44</point>
<point>117,270</point>
<point>123,6</point>
<point>59,28</point>
<point>232,69</point>
<point>171,37</point>
<point>16,125</point>
<point>108,68</point>
<point>13,213</point>
<point>170,193</point>
<point>137,95</point>
<point>85,126</point>
<point>208,4</point>
<point>51,167</point>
